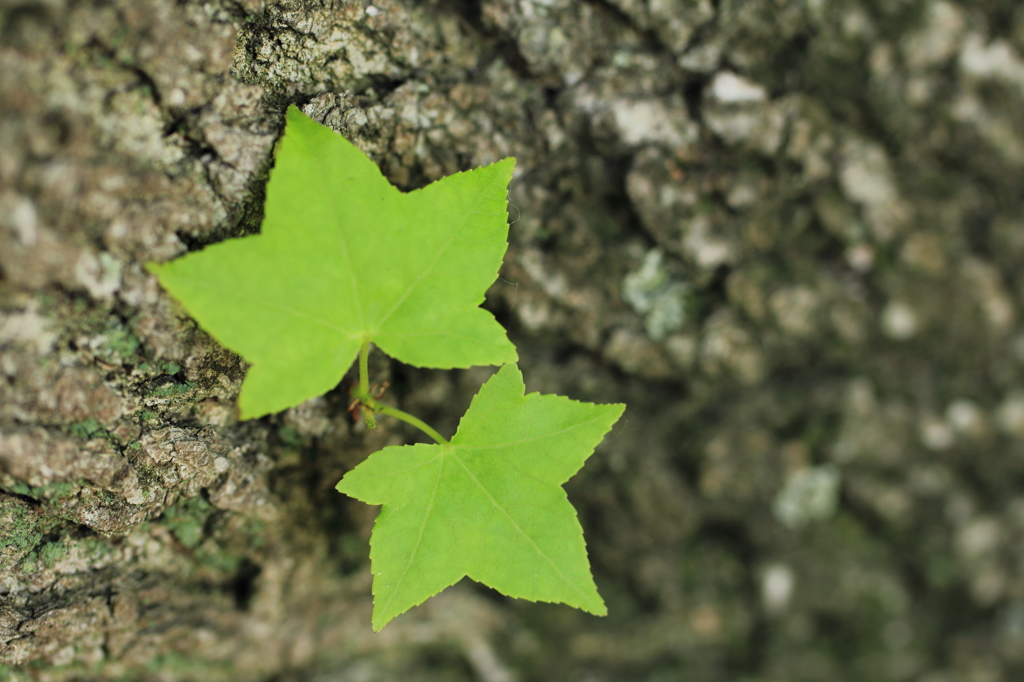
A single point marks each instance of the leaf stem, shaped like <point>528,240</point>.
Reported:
<point>371,405</point>
<point>364,369</point>
<point>415,421</point>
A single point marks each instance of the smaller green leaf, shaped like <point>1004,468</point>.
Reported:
<point>488,505</point>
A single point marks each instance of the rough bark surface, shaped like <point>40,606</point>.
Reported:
<point>788,233</point>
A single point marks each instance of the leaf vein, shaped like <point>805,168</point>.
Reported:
<point>519,530</point>
<point>430,268</point>
<point>281,308</point>
<point>322,176</point>
<point>419,540</point>
<point>530,440</point>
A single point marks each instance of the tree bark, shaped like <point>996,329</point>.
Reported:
<point>787,233</point>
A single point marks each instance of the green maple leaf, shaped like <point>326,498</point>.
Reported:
<point>488,505</point>
<point>344,258</point>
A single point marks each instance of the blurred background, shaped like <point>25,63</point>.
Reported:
<point>787,233</point>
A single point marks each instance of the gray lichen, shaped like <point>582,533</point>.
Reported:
<point>652,293</point>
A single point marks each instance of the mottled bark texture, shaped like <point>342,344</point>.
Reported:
<point>788,233</point>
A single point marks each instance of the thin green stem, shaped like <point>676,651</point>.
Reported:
<point>409,419</point>
<point>372,405</point>
<point>364,370</point>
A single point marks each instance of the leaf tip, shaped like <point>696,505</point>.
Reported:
<point>345,486</point>
<point>293,112</point>
<point>509,374</point>
<point>594,605</point>
<point>508,168</point>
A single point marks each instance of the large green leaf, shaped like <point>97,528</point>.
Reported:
<point>344,257</point>
<point>488,505</point>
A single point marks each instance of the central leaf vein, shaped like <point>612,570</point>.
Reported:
<point>322,176</point>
